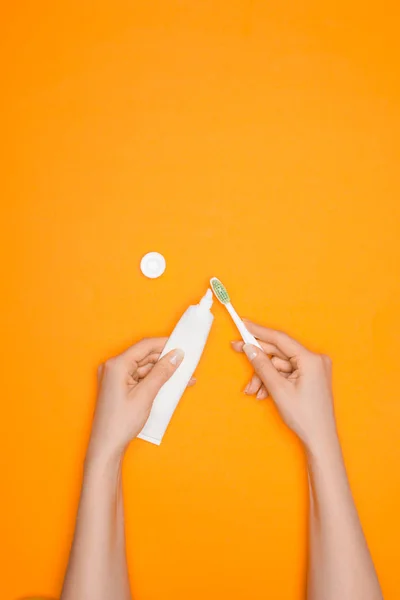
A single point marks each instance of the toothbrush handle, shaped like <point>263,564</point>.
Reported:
<point>247,337</point>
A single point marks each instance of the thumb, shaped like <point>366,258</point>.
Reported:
<point>160,373</point>
<point>264,368</point>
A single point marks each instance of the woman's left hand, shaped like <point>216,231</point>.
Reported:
<point>128,384</point>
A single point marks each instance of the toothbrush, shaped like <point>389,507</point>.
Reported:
<point>222,295</point>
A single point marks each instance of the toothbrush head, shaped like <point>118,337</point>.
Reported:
<point>219,290</point>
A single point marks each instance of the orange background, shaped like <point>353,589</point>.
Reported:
<point>254,141</point>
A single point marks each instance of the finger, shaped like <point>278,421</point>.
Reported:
<point>268,348</point>
<point>262,393</point>
<point>143,371</point>
<point>237,345</point>
<point>141,350</point>
<point>264,368</point>
<point>283,366</point>
<point>150,358</point>
<point>100,370</point>
<point>253,386</point>
<point>159,374</point>
<point>328,363</point>
<point>281,340</point>
<point>294,375</point>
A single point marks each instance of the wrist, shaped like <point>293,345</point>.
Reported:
<point>322,448</point>
<point>103,459</point>
<point>326,469</point>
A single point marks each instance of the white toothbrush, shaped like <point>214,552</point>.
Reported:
<point>222,295</point>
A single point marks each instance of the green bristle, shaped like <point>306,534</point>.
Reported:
<point>220,291</point>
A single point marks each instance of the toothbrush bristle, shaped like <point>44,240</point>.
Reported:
<point>219,290</point>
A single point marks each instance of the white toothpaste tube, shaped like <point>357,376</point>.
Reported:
<point>190,335</point>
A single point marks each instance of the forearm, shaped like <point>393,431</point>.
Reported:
<point>97,568</point>
<point>340,565</point>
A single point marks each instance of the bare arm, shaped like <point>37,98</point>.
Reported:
<point>299,381</point>
<point>97,568</point>
<point>340,565</point>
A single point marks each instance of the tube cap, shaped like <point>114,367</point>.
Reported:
<point>153,265</point>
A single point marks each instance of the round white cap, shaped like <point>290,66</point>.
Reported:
<point>153,265</point>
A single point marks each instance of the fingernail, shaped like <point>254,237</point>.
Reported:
<point>246,389</point>
<point>250,351</point>
<point>177,357</point>
<point>259,394</point>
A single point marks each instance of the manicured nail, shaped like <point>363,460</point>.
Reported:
<point>260,394</point>
<point>177,357</point>
<point>246,389</point>
<point>250,351</point>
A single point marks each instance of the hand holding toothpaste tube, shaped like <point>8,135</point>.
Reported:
<point>128,384</point>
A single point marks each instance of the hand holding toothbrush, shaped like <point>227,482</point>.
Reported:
<point>298,380</point>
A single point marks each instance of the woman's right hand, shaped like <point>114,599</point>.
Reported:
<point>298,380</point>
